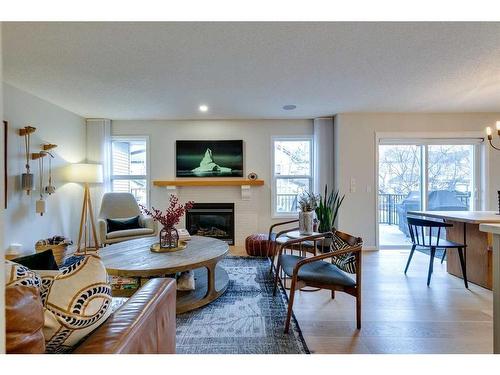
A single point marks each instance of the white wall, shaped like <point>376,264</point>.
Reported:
<point>55,125</point>
<point>355,158</point>
<point>250,216</point>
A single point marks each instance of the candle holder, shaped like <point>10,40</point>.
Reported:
<point>490,136</point>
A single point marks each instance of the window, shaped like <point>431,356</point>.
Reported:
<point>292,173</point>
<point>450,173</point>
<point>129,166</point>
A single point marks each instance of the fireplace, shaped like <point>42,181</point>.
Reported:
<point>212,220</point>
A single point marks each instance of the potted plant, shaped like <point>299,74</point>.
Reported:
<point>308,202</point>
<point>328,210</point>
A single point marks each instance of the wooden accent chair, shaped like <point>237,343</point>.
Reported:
<point>421,236</point>
<point>315,272</point>
<point>274,235</point>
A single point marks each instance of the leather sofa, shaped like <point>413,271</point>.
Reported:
<point>145,324</point>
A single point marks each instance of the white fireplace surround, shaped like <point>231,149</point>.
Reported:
<point>252,205</point>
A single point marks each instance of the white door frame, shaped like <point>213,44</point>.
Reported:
<point>481,162</point>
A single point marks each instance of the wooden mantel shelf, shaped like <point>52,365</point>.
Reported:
<point>243,183</point>
<point>209,182</point>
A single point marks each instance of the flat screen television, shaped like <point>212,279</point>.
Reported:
<point>209,158</point>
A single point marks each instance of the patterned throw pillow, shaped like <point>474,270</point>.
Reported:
<point>77,300</point>
<point>15,274</point>
<point>346,262</point>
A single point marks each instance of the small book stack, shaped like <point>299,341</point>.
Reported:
<point>122,283</point>
<point>184,235</point>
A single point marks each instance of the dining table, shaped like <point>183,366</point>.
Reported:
<point>494,229</point>
<point>479,244</point>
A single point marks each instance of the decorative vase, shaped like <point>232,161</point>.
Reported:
<point>306,221</point>
<point>169,238</point>
<point>316,224</point>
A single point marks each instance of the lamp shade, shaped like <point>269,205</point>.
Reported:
<point>86,173</point>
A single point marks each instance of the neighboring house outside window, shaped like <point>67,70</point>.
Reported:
<point>292,172</point>
<point>129,167</point>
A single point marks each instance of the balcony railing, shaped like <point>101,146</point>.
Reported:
<point>388,204</point>
<point>286,202</point>
<point>387,208</point>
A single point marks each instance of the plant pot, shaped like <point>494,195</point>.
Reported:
<point>306,221</point>
<point>324,245</point>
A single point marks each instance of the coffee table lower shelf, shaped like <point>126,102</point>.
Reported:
<point>201,296</point>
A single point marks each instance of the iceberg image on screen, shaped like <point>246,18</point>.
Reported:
<point>209,158</point>
<point>207,165</point>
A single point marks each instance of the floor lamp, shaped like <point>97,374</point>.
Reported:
<point>86,174</point>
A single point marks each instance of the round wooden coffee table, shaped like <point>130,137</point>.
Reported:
<point>135,259</point>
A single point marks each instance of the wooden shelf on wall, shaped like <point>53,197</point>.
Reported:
<point>209,182</point>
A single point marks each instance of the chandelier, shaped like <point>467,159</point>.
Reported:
<point>490,136</point>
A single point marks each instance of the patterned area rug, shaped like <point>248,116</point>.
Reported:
<point>247,319</point>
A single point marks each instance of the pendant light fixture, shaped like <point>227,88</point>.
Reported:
<point>27,178</point>
<point>50,189</point>
<point>40,203</point>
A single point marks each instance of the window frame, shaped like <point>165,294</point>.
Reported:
<point>146,177</point>
<point>477,185</point>
<point>274,177</point>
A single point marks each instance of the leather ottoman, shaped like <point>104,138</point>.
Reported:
<point>259,245</point>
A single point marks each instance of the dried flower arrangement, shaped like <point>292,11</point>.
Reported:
<point>169,236</point>
<point>172,215</point>
<point>308,202</point>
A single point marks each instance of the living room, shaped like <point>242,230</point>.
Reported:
<point>250,188</point>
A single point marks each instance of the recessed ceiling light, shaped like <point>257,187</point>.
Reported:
<point>289,107</point>
<point>203,108</point>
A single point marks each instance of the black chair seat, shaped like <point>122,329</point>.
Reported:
<point>442,244</point>
<point>319,271</point>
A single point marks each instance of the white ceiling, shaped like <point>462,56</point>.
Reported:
<point>250,70</point>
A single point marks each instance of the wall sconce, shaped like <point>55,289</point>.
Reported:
<point>490,137</point>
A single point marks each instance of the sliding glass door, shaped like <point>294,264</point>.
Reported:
<point>450,177</point>
<point>400,190</point>
<point>438,175</point>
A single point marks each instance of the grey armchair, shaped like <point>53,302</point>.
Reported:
<point>121,206</point>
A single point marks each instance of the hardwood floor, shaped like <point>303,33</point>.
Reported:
<point>400,313</point>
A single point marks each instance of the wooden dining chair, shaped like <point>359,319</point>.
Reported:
<point>316,272</point>
<point>421,234</point>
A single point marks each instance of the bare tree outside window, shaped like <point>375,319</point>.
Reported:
<point>449,172</point>
<point>399,169</point>
<point>449,168</point>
